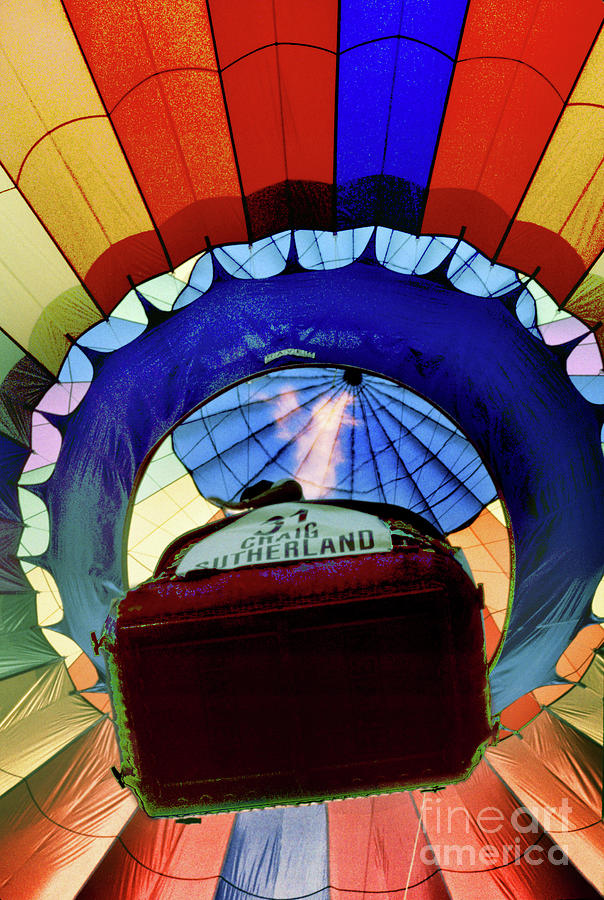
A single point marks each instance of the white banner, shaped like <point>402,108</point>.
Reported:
<point>287,532</point>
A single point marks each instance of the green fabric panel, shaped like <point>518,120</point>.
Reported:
<point>163,470</point>
<point>35,738</point>
<point>69,315</point>
<point>581,707</point>
<point>12,577</point>
<point>22,694</point>
<point>10,354</point>
<point>18,611</point>
<point>34,539</point>
<point>37,476</point>
<point>21,391</point>
<point>22,650</point>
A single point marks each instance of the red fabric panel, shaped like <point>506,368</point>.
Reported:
<point>281,100</point>
<point>155,68</point>
<point>501,112</point>
<point>529,246</point>
<point>158,858</point>
<point>140,256</point>
<point>241,28</point>
<point>480,836</point>
<point>372,848</point>
<point>54,836</point>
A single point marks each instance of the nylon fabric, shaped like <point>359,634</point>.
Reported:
<point>56,826</point>
<point>581,707</point>
<point>23,650</point>
<point>164,860</point>
<point>556,772</point>
<point>47,719</point>
<point>371,844</point>
<point>479,837</point>
<point>277,853</point>
<point>553,590</point>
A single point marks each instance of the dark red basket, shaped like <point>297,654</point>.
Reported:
<point>302,681</point>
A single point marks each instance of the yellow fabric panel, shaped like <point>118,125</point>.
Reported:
<point>160,518</point>
<point>56,142</point>
<point>50,850</point>
<point>33,272</point>
<point>26,694</point>
<point>47,719</point>
<point>587,302</point>
<point>566,193</point>
<point>16,689</point>
<point>581,707</point>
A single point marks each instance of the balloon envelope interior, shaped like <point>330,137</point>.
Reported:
<point>189,194</point>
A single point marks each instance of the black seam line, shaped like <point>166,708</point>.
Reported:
<point>29,355</point>
<point>168,111</point>
<point>400,37</point>
<point>380,205</point>
<point>334,177</point>
<point>120,145</point>
<point>443,114</point>
<point>156,74</point>
<point>210,423</point>
<point>282,117</point>
<point>246,212</point>
<point>546,146</point>
<point>77,278</point>
<point>270,460</point>
<point>364,400</point>
<point>71,173</point>
<point>24,780</point>
<point>428,842</point>
<point>521,62</point>
<point>276,44</point>
<point>48,133</point>
<point>318,434</point>
<point>430,457</point>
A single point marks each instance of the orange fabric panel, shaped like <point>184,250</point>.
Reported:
<point>372,848</point>
<point>486,545</point>
<point>54,836</point>
<point>557,774</point>
<point>575,660</point>
<point>479,836</point>
<point>517,714</point>
<point>492,635</point>
<point>517,64</point>
<point>160,858</point>
<point>155,68</point>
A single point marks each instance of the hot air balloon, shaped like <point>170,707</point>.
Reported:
<point>197,196</point>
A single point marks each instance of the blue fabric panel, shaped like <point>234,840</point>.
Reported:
<point>508,392</point>
<point>401,86</point>
<point>395,68</point>
<point>277,853</point>
<point>430,21</point>
<point>428,467</point>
